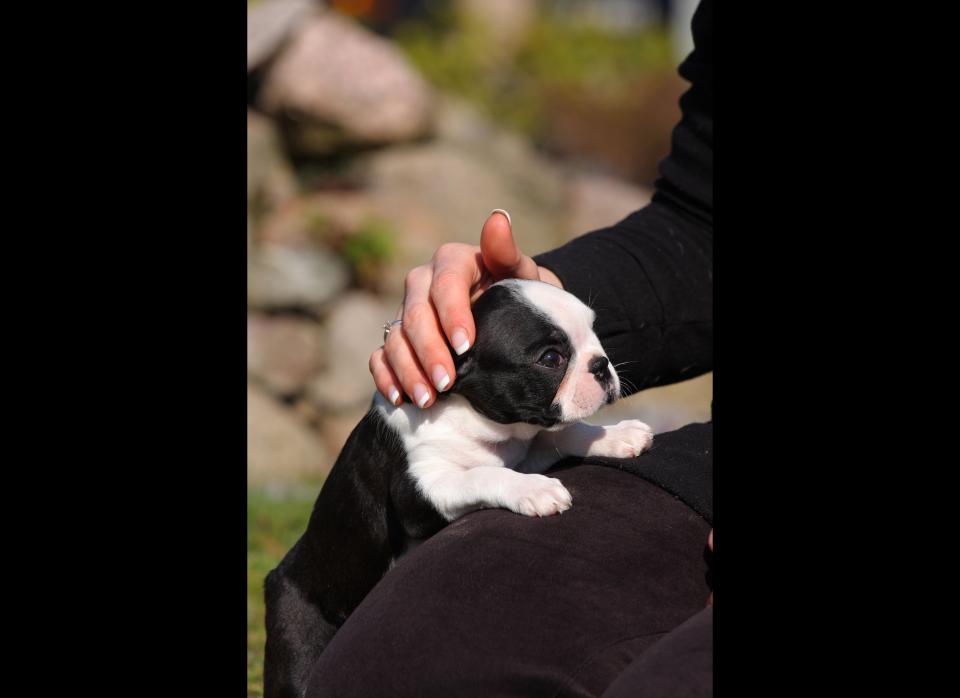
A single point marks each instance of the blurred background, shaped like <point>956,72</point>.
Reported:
<point>378,130</point>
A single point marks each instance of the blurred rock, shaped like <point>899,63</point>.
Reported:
<point>416,228</point>
<point>283,353</point>
<point>287,277</point>
<point>291,224</point>
<point>598,201</point>
<point>279,446</point>
<point>347,84</point>
<point>270,179</point>
<point>456,189</point>
<point>509,154</point>
<point>336,428</point>
<point>269,24</point>
<point>353,330</point>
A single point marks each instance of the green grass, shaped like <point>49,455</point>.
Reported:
<point>275,520</point>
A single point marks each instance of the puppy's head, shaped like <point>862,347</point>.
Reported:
<point>536,358</point>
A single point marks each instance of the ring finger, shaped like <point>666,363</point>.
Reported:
<point>403,361</point>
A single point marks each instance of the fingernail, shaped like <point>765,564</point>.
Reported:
<point>500,210</point>
<point>460,341</point>
<point>394,395</point>
<point>440,377</point>
<point>421,394</point>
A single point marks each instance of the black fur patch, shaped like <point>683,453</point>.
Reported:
<point>500,375</point>
<point>368,512</point>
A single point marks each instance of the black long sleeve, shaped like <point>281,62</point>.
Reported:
<point>650,277</point>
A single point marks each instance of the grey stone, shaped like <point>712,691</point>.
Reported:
<point>279,447</point>
<point>458,187</point>
<point>283,353</point>
<point>269,24</point>
<point>597,201</point>
<point>335,428</point>
<point>353,331</point>
<point>287,277</point>
<point>271,182</point>
<point>348,84</point>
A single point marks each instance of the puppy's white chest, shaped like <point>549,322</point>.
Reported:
<point>510,452</point>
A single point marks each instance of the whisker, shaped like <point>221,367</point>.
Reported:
<point>632,388</point>
<point>590,300</point>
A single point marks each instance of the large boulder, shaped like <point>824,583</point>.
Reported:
<point>270,179</point>
<point>280,448</point>
<point>353,330</point>
<point>342,84</point>
<point>269,24</point>
<point>294,277</point>
<point>283,352</point>
<point>456,187</point>
<point>597,201</point>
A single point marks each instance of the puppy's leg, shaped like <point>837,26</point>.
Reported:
<point>454,491</point>
<point>627,439</point>
<point>296,635</point>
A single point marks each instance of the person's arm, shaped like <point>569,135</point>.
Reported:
<point>650,277</point>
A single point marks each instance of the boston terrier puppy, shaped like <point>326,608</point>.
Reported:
<point>535,370</point>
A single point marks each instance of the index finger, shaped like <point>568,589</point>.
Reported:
<point>455,272</point>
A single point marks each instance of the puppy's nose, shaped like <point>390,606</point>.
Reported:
<point>598,367</point>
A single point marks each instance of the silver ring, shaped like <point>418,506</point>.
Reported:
<point>387,326</point>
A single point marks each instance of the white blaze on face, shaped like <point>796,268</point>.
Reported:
<point>580,393</point>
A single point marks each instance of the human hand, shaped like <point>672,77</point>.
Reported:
<point>415,358</point>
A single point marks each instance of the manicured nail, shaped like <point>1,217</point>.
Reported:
<point>440,377</point>
<point>421,394</point>
<point>394,396</point>
<point>500,210</point>
<point>460,341</point>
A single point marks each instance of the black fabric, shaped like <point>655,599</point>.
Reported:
<point>681,462</point>
<point>678,666</point>
<point>498,604</point>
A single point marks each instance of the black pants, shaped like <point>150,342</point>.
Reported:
<point>579,604</point>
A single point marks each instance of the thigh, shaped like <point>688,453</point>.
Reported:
<point>680,665</point>
<point>498,604</point>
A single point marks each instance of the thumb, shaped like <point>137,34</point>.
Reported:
<point>501,256</point>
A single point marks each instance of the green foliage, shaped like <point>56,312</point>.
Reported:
<point>369,249</point>
<point>373,243</point>
<point>579,56</point>
<point>366,249</point>
<point>557,54</point>
<point>274,523</point>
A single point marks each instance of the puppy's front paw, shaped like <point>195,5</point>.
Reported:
<point>628,439</point>
<point>538,495</point>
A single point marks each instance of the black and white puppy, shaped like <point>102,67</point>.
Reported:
<point>535,370</point>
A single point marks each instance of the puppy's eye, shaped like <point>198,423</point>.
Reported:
<point>552,359</point>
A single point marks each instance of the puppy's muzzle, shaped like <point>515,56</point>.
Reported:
<point>599,367</point>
